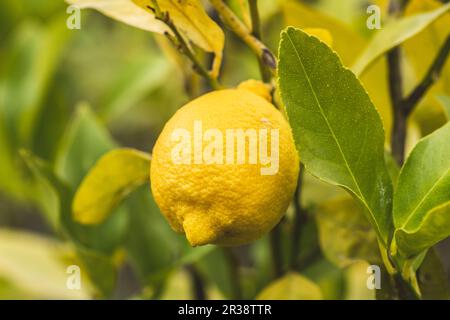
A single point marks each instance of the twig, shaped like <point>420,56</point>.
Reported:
<point>241,30</point>
<point>276,250</point>
<point>299,218</point>
<point>430,78</point>
<point>256,32</point>
<point>233,263</point>
<point>398,136</point>
<point>198,288</point>
<point>181,44</point>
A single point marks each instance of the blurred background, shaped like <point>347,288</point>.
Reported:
<point>69,96</point>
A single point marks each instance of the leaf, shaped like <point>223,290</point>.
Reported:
<point>420,52</point>
<point>445,102</point>
<point>113,177</point>
<point>337,130</point>
<point>422,198</point>
<point>433,278</point>
<point>34,56</point>
<point>393,34</point>
<point>292,286</point>
<point>323,34</point>
<point>124,11</point>
<point>301,16</point>
<point>375,79</point>
<point>345,234</point>
<point>35,267</point>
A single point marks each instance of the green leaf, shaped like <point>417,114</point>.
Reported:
<point>34,266</point>
<point>113,177</point>
<point>345,234</point>
<point>433,278</point>
<point>337,130</point>
<point>393,34</point>
<point>292,286</point>
<point>422,198</point>
<point>445,102</point>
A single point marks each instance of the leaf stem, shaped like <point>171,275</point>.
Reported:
<point>240,29</point>
<point>178,40</point>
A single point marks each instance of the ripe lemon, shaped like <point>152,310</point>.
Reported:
<point>213,188</point>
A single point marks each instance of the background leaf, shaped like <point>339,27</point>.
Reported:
<point>34,267</point>
<point>345,234</point>
<point>421,201</point>
<point>113,177</point>
<point>291,286</point>
<point>393,34</point>
<point>337,130</point>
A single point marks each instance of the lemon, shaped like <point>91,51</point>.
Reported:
<point>216,188</point>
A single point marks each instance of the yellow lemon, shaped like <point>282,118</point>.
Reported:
<point>225,167</point>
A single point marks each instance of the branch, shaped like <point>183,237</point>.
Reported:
<point>241,30</point>
<point>430,78</point>
<point>178,40</point>
<point>299,218</point>
<point>256,32</point>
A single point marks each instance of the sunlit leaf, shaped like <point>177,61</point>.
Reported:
<point>349,45</point>
<point>394,33</point>
<point>345,234</point>
<point>113,177</point>
<point>292,286</point>
<point>422,198</point>
<point>337,130</point>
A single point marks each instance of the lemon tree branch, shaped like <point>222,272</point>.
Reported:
<point>178,40</point>
<point>265,56</point>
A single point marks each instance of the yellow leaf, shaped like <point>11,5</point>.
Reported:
<point>191,19</point>
<point>420,52</point>
<point>114,176</point>
<point>124,11</point>
<point>292,286</point>
<point>322,34</point>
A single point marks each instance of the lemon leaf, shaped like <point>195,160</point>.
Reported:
<point>114,176</point>
<point>393,34</point>
<point>375,79</point>
<point>337,130</point>
<point>422,198</point>
<point>323,34</point>
<point>345,235</point>
<point>292,286</point>
<point>124,11</point>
